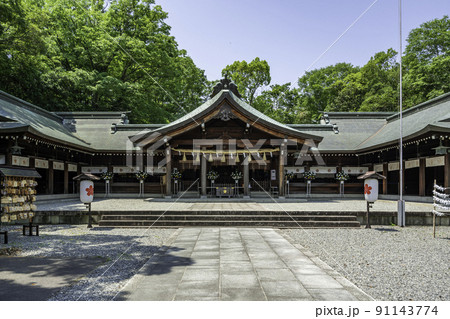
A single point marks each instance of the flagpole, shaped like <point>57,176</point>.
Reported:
<point>401,203</point>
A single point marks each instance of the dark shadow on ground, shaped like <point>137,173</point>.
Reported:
<point>387,229</point>
<point>37,279</point>
<point>30,278</point>
<point>159,266</point>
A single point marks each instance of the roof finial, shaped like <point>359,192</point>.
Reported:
<point>225,84</point>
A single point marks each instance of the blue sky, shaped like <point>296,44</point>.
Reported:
<point>290,34</point>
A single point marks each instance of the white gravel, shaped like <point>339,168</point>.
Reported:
<point>388,263</point>
<point>124,252</point>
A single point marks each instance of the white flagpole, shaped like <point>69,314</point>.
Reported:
<point>401,203</point>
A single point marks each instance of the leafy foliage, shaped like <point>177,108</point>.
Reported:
<point>249,77</point>
<point>95,55</point>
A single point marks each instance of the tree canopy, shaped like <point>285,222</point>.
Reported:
<point>373,87</point>
<point>115,55</point>
<point>249,77</point>
<point>95,55</point>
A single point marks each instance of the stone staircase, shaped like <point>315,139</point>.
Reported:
<point>175,219</point>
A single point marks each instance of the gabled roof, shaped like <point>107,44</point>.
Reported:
<point>430,116</point>
<point>26,117</point>
<point>239,108</point>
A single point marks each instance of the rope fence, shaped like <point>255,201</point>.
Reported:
<point>441,203</point>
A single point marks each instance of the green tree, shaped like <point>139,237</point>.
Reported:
<point>318,89</point>
<point>427,61</point>
<point>279,102</point>
<point>379,78</point>
<point>249,77</point>
<point>102,55</point>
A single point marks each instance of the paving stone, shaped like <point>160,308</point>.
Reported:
<point>243,294</point>
<point>332,294</point>
<point>156,293</point>
<point>286,289</point>
<point>201,274</point>
<point>243,280</point>
<point>195,298</point>
<point>318,281</point>
<point>209,288</point>
<point>307,270</point>
<point>275,274</point>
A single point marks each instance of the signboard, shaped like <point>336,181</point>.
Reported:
<point>273,175</point>
<point>20,161</point>
<point>378,168</point>
<point>72,167</point>
<point>294,169</point>
<point>40,163</point>
<point>59,166</point>
<point>394,166</point>
<point>412,163</point>
<point>125,169</point>
<point>355,170</point>
<point>155,170</point>
<point>94,169</point>
<point>323,169</point>
<point>435,161</point>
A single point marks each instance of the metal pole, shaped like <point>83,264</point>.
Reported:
<point>401,203</point>
<point>90,217</point>
<point>367,215</point>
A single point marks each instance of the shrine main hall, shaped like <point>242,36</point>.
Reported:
<point>226,148</point>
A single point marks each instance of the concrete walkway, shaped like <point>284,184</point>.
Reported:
<point>236,264</point>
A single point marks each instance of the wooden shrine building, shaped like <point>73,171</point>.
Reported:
<point>228,137</point>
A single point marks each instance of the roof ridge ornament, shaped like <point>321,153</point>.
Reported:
<point>225,84</point>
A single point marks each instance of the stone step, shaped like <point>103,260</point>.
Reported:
<point>229,223</point>
<point>273,217</point>
<point>226,212</point>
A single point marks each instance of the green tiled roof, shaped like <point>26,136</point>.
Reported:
<point>423,118</point>
<point>249,111</point>
<point>36,121</point>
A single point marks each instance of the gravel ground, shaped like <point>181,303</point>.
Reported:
<point>124,250</point>
<point>388,263</point>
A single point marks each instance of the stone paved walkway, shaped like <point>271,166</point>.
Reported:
<point>237,264</point>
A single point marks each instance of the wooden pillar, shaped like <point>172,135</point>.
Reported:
<point>203,179</point>
<point>168,172</point>
<point>246,176</point>
<point>66,178</point>
<point>8,159</point>
<point>447,170</point>
<point>51,178</point>
<point>422,177</point>
<point>281,159</point>
<point>385,181</point>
